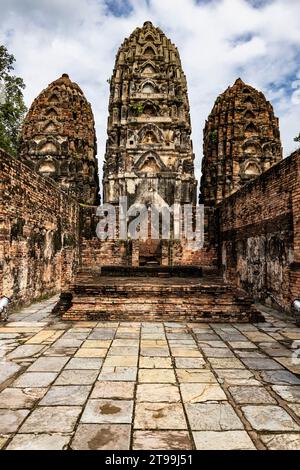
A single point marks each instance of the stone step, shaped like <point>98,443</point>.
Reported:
<point>151,270</point>
<point>151,299</point>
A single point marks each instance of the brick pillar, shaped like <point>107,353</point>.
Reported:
<point>165,258</point>
<point>135,259</point>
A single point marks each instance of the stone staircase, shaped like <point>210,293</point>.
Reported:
<point>95,296</point>
<point>148,271</point>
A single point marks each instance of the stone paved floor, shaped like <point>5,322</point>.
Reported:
<point>110,385</point>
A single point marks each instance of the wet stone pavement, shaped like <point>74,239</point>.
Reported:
<point>154,386</point>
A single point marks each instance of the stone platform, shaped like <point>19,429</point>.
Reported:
<point>151,271</point>
<point>208,299</point>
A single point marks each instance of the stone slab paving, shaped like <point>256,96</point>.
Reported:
<point>140,385</point>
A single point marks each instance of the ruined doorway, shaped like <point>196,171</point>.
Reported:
<point>150,253</point>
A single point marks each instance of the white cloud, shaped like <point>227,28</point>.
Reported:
<point>218,41</point>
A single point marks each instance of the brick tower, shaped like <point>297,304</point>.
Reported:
<point>149,155</point>
<point>59,141</point>
<point>241,141</point>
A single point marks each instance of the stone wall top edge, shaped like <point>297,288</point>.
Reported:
<point>293,159</point>
<point>10,161</point>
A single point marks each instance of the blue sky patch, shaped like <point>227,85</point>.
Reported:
<point>241,39</point>
<point>119,8</point>
<point>259,3</point>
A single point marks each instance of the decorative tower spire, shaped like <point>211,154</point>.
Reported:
<point>149,156</point>
<point>241,140</point>
<point>59,141</point>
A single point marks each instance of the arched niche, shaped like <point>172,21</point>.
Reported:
<point>249,114</point>
<point>51,113</point>
<point>149,51</point>
<point>252,148</point>
<point>150,162</point>
<point>150,166</point>
<point>149,37</point>
<point>149,110</point>
<point>53,98</point>
<point>79,167</point>
<point>148,68</point>
<point>150,133</point>
<point>249,100</point>
<point>148,88</point>
<point>50,128</point>
<point>48,148</point>
<point>251,130</point>
<point>92,171</point>
<point>252,168</point>
<point>150,138</point>
<point>47,168</point>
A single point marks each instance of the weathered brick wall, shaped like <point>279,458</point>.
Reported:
<point>182,254</point>
<point>96,253</point>
<point>295,266</point>
<point>260,234</point>
<point>39,233</point>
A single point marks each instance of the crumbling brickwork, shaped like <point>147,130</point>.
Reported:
<point>96,253</point>
<point>149,156</point>
<point>48,240</point>
<point>59,139</point>
<point>39,233</point>
<point>259,234</point>
<point>241,141</point>
<point>135,298</point>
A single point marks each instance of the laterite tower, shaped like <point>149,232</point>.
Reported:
<point>149,155</point>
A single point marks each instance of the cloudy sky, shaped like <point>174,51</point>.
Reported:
<point>218,40</point>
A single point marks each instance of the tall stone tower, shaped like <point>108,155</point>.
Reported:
<point>149,155</point>
<point>241,140</point>
<point>59,141</point>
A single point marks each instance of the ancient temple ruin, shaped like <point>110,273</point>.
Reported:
<point>149,154</point>
<point>49,242</point>
<point>241,141</point>
<point>59,139</point>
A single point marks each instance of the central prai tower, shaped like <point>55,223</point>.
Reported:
<point>149,155</point>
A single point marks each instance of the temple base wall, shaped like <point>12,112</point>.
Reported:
<point>260,235</point>
<point>96,253</point>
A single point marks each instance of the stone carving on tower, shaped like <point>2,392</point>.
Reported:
<point>58,139</point>
<point>149,155</point>
<point>241,141</point>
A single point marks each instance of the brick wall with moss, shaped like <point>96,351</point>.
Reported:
<point>260,234</point>
<point>39,233</point>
